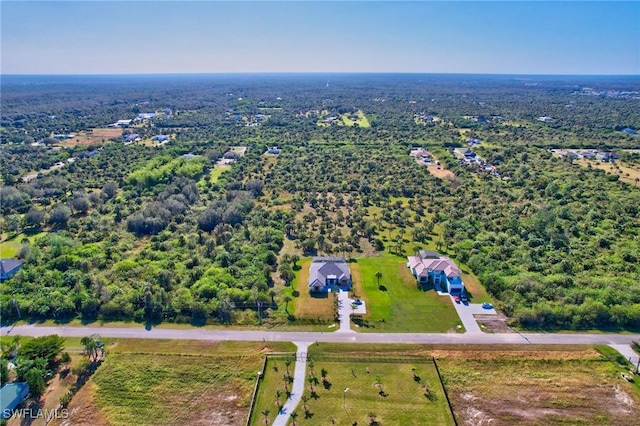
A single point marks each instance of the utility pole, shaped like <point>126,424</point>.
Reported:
<point>344,398</point>
<point>15,304</point>
<point>259,313</point>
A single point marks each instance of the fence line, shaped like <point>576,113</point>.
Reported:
<point>446,395</point>
<point>390,359</point>
<point>255,390</point>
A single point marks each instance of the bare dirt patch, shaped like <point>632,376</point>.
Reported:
<point>94,137</point>
<point>539,387</point>
<point>494,323</point>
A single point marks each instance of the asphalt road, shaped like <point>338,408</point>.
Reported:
<point>297,336</point>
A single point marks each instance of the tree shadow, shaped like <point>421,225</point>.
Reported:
<point>327,385</point>
<point>382,288</point>
<point>308,414</point>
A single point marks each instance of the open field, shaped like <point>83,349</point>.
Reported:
<point>167,382</point>
<point>93,137</point>
<point>11,247</point>
<point>387,391</point>
<point>538,388</point>
<point>361,120</point>
<point>627,174</point>
<point>399,305</point>
<point>532,385</point>
<point>216,172</point>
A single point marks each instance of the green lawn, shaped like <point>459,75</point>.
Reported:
<point>401,306</point>
<point>216,172</point>
<point>362,120</point>
<point>11,247</point>
<point>272,382</point>
<point>401,399</point>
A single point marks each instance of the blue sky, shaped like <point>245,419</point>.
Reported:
<point>511,37</point>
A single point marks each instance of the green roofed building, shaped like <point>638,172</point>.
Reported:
<point>11,395</point>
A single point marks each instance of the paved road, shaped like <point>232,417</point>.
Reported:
<point>628,352</point>
<point>299,336</point>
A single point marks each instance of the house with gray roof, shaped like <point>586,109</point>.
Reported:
<point>327,272</point>
<point>9,267</point>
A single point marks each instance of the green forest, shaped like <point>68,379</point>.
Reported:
<point>136,232</point>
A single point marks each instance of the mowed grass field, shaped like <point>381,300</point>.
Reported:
<point>361,121</point>
<point>399,305</point>
<point>164,382</point>
<point>386,390</point>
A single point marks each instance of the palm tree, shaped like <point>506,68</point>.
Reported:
<point>323,372</point>
<point>305,399</point>
<point>265,413</point>
<point>378,276</point>
<point>286,299</point>
<point>278,395</point>
<point>294,416</point>
<point>372,417</point>
<point>287,363</point>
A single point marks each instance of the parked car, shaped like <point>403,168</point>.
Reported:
<point>457,299</point>
<point>463,298</point>
<point>487,305</point>
<point>358,302</point>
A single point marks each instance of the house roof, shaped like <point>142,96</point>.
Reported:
<point>441,264</point>
<point>322,267</point>
<point>428,254</point>
<point>8,265</point>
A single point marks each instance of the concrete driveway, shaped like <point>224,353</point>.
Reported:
<point>467,312</point>
<point>345,311</point>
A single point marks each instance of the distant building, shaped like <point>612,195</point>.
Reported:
<point>62,137</point>
<point>146,115</point>
<point>468,153</point>
<point>273,150</point>
<point>9,267</point>
<point>160,138</point>
<point>545,119</point>
<point>131,137</point>
<point>11,395</point>
<point>121,123</point>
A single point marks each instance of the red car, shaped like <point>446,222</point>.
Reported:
<point>456,298</point>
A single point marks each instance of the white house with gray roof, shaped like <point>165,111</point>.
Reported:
<point>441,271</point>
<point>326,272</point>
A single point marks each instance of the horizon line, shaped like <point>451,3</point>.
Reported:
<point>311,73</point>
